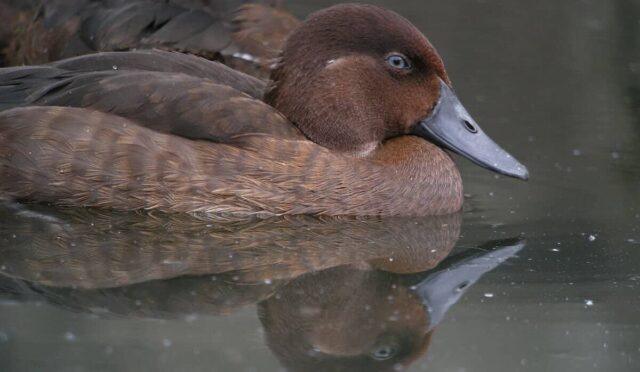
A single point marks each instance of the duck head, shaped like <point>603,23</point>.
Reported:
<point>353,75</point>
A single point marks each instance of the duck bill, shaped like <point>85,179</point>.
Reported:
<point>451,127</point>
<point>444,286</point>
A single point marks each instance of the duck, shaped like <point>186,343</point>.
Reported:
<point>356,120</point>
<point>244,35</point>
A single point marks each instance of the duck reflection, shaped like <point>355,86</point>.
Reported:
<point>332,294</point>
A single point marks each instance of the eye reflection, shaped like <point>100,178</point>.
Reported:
<point>383,353</point>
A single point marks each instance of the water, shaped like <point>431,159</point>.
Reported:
<point>540,276</point>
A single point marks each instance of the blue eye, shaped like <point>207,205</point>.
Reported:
<point>398,61</point>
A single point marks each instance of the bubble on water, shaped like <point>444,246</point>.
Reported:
<point>555,250</point>
<point>167,342</point>
<point>489,295</point>
<point>191,318</point>
<point>69,336</point>
<point>576,152</point>
<point>267,281</point>
<point>592,238</point>
<point>588,303</point>
<point>615,155</point>
<point>115,67</point>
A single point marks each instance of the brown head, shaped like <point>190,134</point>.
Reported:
<point>354,75</point>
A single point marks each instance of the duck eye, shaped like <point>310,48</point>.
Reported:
<point>398,61</point>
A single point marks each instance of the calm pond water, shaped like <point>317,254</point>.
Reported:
<point>537,276</point>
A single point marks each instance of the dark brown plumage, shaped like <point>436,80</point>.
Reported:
<point>247,37</point>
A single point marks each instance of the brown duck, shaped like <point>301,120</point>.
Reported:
<point>247,37</point>
<point>353,122</point>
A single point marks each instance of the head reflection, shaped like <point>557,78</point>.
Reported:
<point>346,319</point>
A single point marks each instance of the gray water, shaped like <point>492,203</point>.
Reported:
<point>536,276</point>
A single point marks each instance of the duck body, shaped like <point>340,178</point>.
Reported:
<point>178,133</point>
<point>245,35</point>
<point>103,160</point>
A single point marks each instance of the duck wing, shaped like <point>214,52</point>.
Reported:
<point>162,61</point>
<point>59,29</point>
<point>193,97</point>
